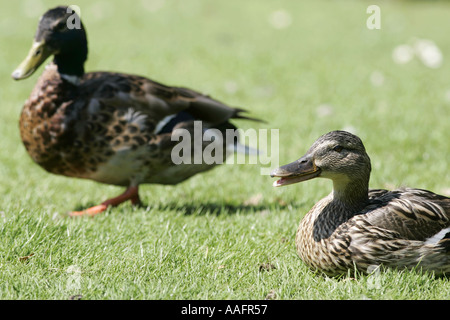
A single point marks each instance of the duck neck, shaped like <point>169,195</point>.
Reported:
<point>70,60</point>
<point>347,200</point>
<point>350,196</point>
<point>70,64</point>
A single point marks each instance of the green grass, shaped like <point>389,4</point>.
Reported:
<point>200,240</point>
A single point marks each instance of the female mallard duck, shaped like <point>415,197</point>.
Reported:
<point>362,228</point>
<point>110,127</point>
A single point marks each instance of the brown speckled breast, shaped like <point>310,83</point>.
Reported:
<point>46,122</point>
<point>67,131</point>
<point>320,249</point>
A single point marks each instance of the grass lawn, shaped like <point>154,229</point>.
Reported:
<point>307,67</point>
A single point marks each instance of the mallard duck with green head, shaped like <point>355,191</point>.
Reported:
<point>355,226</point>
<point>113,128</point>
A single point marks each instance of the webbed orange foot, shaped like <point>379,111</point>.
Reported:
<point>132,194</point>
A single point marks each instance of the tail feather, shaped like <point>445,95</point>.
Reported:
<point>238,115</point>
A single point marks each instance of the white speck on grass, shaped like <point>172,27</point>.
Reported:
<point>447,96</point>
<point>280,19</point>
<point>263,91</point>
<point>351,129</point>
<point>152,5</point>
<point>231,87</point>
<point>33,8</point>
<point>402,54</point>
<point>382,106</point>
<point>324,110</point>
<point>377,79</point>
<point>424,49</point>
<point>100,10</point>
<point>428,52</point>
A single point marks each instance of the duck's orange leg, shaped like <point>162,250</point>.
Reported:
<point>132,194</point>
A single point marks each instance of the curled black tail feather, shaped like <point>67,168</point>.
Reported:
<point>238,115</point>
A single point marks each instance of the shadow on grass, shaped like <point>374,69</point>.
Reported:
<point>204,208</point>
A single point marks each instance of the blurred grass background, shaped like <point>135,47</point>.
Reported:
<point>307,67</point>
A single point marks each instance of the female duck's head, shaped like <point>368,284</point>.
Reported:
<point>337,155</point>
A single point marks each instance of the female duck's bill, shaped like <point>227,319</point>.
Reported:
<point>300,170</point>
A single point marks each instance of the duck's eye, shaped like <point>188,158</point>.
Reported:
<point>338,148</point>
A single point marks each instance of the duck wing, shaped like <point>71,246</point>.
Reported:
<point>413,214</point>
<point>155,101</point>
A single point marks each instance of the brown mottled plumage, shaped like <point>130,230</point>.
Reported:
<point>362,228</point>
<point>109,127</point>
